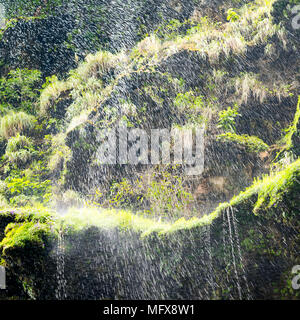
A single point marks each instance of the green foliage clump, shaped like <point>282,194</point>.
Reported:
<point>287,140</point>
<point>38,213</point>
<point>19,90</point>
<point>227,119</point>
<point>160,194</point>
<point>191,106</point>
<point>188,100</point>
<point>271,189</point>
<point>252,143</point>
<point>289,150</point>
<point>19,150</point>
<point>85,86</point>
<point>22,235</point>
<point>14,123</point>
<point>23,190</point>
<point>171,29</point>
<point>232,15</point>
<point>18,142</point>
<point>166,196</point>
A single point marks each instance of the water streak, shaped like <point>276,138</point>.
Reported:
<point>237,240</point>
<point>60,293</point>
<point>233,254</point>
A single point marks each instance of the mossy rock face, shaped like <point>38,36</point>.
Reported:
<point>31,44</point>
<point>195,67</point>
<point>258,119</point>
<point>234,254</point>
<point>80,28</point>
<point>244,249</point>
<point>294,133</point>
<point>296,141</point>
<point>5,218</point>
<point>25,253</point>
<point>252,144</point>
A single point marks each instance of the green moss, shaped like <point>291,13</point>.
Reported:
<point>287,140</point>
<point>21,235</point>
<point>251,143</point>
<point>36,214</point>
<point>271,189</point>
<point>31,228</point>
<point>28,226</point>
<point>18,142</point>
<point>268,192</point>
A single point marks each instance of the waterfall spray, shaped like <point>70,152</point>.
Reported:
<point>60,293</point>
<point>237,240</point>
<point>209,261</point>
<point>233,254</point>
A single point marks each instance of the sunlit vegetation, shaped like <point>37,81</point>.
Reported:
<point>292,130</point>
<point>14,123</point>
<point>271,189</point>
<point>27,190</point>
<point>19,150</point>
<point>248,86</point>
<point>233,73</point>
<point>157,194</point>
<point>59,151</point>
<point>268,192</point>
<point>20,90</point>
<point>89,87</point>
<point>227,118</point>
<point>252,144</point>
<point>92,83</point>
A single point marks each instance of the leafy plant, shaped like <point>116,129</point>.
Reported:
<point>161,194</point>
<point>190,105</point>
<point>188,100</point>
<point>170,30</point>
<point>19,150</point>
<point>24,189</point>
<point>168,196</point>
<point>252,143</point>
<point>287,140</point>
<point>18,142</point>
<point>232,15</point>
<point>14,123</point>
<point>20,90</point>
<point>227,118</point>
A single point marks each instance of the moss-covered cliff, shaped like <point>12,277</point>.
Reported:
<point>245,249</point>
<point>73,228</point>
